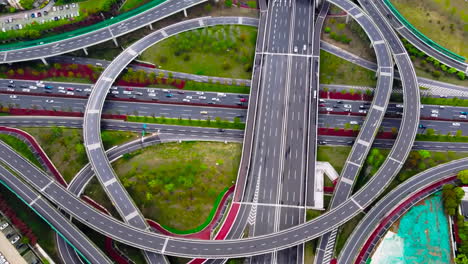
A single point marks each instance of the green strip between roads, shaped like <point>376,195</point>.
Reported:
<point>207,220</point>
<point>85,30</point>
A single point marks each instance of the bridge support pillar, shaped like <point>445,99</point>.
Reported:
<point>115,42</point>
<point>150,26</point>
<point>85,51</point>
<point>347,18</point>
<point>44,61</point>
<point>185,12</point>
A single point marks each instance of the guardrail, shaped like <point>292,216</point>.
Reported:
<point>420,35</point>
<point>82,31</point>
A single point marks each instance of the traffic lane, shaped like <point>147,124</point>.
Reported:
<point>303,21</point>
<point>56,219</point>
<point>280,23</point>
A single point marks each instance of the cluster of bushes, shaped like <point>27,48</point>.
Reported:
<point>431,135</point>
<point>445,101</point>
<point>40,71</point>
<point>28,235</point>
<point>216,87</point>
<point>426,60</point>
<point>338,37</point>
<point>451,196</point>
<point>143,78</point>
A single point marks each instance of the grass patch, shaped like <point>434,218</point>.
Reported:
<point>443,21</point>
<point>309,250</point>
<point>334,70</point>
<point>216,87</point>
<point>132,4</point>
<point>21,148</point>
<point>444,101</point>
<point>68,79</point>
<point>223,51</point>
<point>336,155</point>
<point>92,6</point>
<point>64,146</point>
<point>176,184</point>
<point>44,233</point>
<point>217,123</point>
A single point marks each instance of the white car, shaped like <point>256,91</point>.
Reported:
<point>61,91</point>
<point>435,111</point>
<point>11,81</point>
<point>26,90</point>
<point>114,92</point>
<point>15,239</point>
<point>61,88</point>
<point>304,48</point>
<point>3,226</point>
<point>124,92</point>
<point>202,97</point>
<point>114,88</point>
<point>363,111</point>
<point>87,90</point>
<point>165,90</point>
<point>347,106</point>
<point>13,96</point>
<point>10,89</point>
<point>186,100</point>
<point>215,99</point>
<point>32,87</point>
<point>200,93</point>
<point>221,95</point>
<point>329,109</point>
<point>150,90</point>
<point>188,97</point>
<point>295,48</point>
<point>152,94</point>
<point>40,85</point>
<point>321,100</point>
<point>50,101</point>
<point>434,115</point>
<point>353,122</point>
<point>70,93</point>
<point>442,106</point>
<point>399,106</point>
<point>462,116</point>
<point>456,124</point>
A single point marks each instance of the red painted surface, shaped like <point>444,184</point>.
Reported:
<point>385,221</point>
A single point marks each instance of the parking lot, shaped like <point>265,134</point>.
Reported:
<point>55,13</point>
<point>11,247</point>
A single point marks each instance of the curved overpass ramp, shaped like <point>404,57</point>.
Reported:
<point>104,34</point>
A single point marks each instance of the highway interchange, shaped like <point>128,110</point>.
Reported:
<point>277,145</point>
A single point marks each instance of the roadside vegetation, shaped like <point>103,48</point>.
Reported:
<point>21,147</point>
<point>223,51</point>
<point>443,21</point>
<point>65,148</point>
<point>335,70</point>
<point>176,184</point>
<point>216,123</point>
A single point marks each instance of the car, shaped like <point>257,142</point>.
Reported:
<point>399,106</point>
<point>128,89</point>
<point>203,112</point>
<point>39,14</point>
<point>304,48</point>
<point>70,89</point>
<point>125,92</point>
<point>60,7</point>
<point>11,85</point>
<point>202,97</point>
<point>221,130</point>
<point>87,90</point>
<point>321,100</point>
<point>25,90</point>
<point>363,111</point>
<point>422,126</point>
<point>336,106</point>
<point>138,93</point>
<point>443,96</point>
<point>186,100</point>
<point>462,116</point>
<point>54,8</point>
<point>215,99</point>
<point>353,122</point>
<point>50,101</point>
<point>441,106</point>
<point>56,18</point>
<point>61,88</point>
<point>149,90</point>
<point>434,115</point>
<point>10,89</point>
<point>347,110</point>
<point>15,239</point>
<point>70,93</point>
<point>339,102</point>
<point>240,103</point>
<point>33,15</point>
<point>221,95</point>
<point>200,93</point>
<point>61,91</point>
<point>114,87</point>
<point>4,225</point>
<point>67,6</point>
<point>13,96</point>
<point>152,94</point>
<point>46,13</point>
<point>78,90</point>
<point>132,96</point>
<point>73,5</point>
<point>41,85</point>
<point>463,113</point>
<point>435,111</point>
<point>165,90</point>
<point>295,49</point>
<point>362,107</point>
<point>212,103</point>
<point>180,92</point>
<point>32,87</point>
<point>188,97</point>
<point>114,92</point>
<point>9,235</point>
<point>322,105</point>
<point>347,106</point>
<point>329,109</point>
<point>456,124</point>
<point>243,100</point>
<point>169,95</point>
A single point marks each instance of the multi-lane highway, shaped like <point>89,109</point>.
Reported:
<point>44,50</point>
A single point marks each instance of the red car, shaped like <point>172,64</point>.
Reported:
<point>70,89</point>
<point>128,89</point>
<point>322,105</point>
<point>243,100</point>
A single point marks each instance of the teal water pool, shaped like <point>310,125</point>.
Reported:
<point>420,236</point>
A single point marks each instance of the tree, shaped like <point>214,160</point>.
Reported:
<point>327,30</point>
<point>461,75</point>
<point>461,259</point>
<point>228,3</point>
<point>436,74</point>
<point>463,176</point>
<point>430,132</point>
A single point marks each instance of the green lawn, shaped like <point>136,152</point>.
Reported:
<point>65,148</point>
<point>187,122</point>
<point>443,21</point>
<point>336,155</point>
<point>223,51</point>
<point>345,231</point>
<point>132,4</point>
<point>176,184</point>
<point>20,147</point>
<point>92,6</point>
<point>335,70</point>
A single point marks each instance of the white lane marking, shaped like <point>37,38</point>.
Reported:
<point>360,207</point>
<point>201,23</point>
<point>362,142</point>
<point>109,182</point>
<point>165,244</point>
<point>164,33</point>
<point>378,42</point>
<point>358,15</point>
<point>35,200</point>
<point>355,164</point>
<point>376,107</point>
<point>131,215</point>
<point>107,79</point>
<point>346,180</point>
<point>94,146</point>
<point>93,111</point>
<point>396,160</point>
<point>132,52</point>
<point>385,74</point>
<point>45,187</point>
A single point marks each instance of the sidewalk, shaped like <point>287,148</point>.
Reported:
<point>9,251</point>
